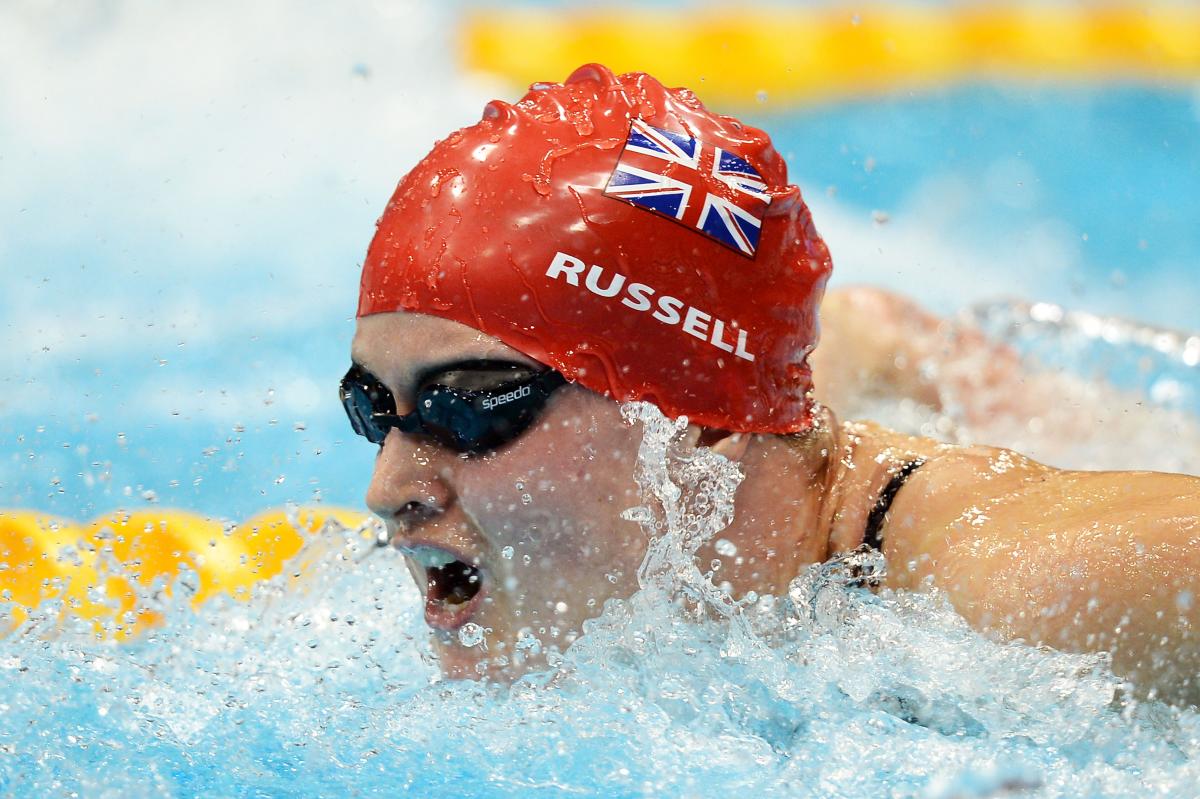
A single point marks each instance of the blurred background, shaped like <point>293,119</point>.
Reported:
<point>187,191</point>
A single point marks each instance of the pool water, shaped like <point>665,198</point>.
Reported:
<point>176,310</point>
<point>325,684</point>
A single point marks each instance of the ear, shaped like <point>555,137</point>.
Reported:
<point>723,442</point>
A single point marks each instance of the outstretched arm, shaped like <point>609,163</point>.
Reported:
<point>1080,561</point>
<point>873,341</point>
<point>878,344</point>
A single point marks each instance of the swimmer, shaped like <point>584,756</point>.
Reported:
<point>608,239</point>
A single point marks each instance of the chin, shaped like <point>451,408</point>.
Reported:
<point>458,662</point>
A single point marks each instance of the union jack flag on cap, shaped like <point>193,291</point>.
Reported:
<point>712,190</point>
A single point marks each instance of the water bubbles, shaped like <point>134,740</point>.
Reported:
<point>527,642</point>
<point>331,682</point>
<point>1151,394</point>
<point>1191,352</point>
<point>1167,391</point>
<point>470,634</point>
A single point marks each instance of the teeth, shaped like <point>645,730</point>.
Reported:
<point>429,557</point>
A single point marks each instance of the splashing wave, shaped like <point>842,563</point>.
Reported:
<point>327,685</point>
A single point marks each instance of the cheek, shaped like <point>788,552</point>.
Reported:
<point>560,490</point>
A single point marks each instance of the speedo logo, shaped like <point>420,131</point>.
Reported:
<point>495,402</point>
<point>666,309</point>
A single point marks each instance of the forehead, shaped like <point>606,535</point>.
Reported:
<point>396,347</point>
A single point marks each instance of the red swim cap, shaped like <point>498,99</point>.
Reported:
<point>619,232</point>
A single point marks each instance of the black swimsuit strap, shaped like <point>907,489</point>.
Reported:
<point>879,513</point>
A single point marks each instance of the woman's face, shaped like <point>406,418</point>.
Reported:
<point>526,541</point>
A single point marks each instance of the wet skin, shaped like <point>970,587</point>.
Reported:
<point>1082,561</point>
<point>549,495</point>
<point>554,495</point>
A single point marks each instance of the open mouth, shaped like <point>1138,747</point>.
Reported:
<point>453,588</point>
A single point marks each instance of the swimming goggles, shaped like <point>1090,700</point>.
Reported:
<point>472,408</point>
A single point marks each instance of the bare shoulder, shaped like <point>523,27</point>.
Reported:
<point>870,456</point>
<point>967,502</point>
<point>1082,561</point>
<point>955,495</point>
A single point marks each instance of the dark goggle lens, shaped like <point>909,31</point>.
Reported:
<point>449,418</point>
<point>482,409</point>
<point>475,422</point>
<point>361,406</point>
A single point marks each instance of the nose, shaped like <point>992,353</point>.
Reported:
<point>406,488</point>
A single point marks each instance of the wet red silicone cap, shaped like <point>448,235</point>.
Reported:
<point>619,232</point>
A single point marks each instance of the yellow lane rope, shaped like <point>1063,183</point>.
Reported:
<point>98,570</point>
<point>737,56</point>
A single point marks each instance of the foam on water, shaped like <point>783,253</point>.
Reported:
<point>325,683</point>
